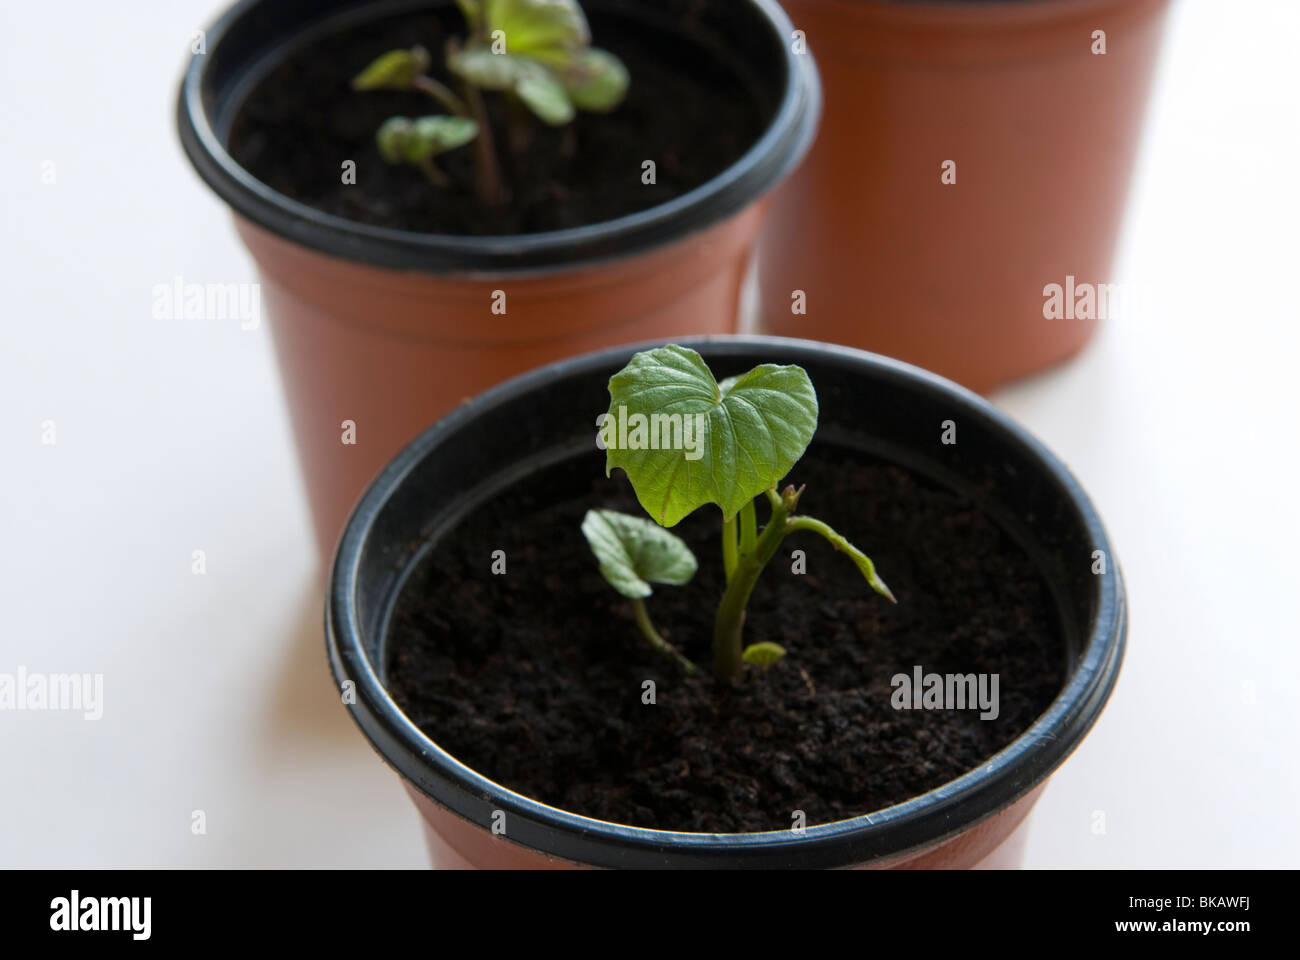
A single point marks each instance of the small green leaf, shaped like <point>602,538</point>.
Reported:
<point>756,427</point>
<point>443,133</point>
<point>394,70</point>
<point>596,80</point>
<point>402,140</point>
<point>532,82</point>
<point>548,30</point>
<point>633,552</point>
<point>763,655</point>
<point>393,137</point>
<point>488,70</point>
<point>546,98</point>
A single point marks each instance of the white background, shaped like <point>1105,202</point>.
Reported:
<point>171,437</point>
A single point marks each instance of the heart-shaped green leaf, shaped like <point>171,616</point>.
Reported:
<point>634,553</point>
<point>548,30</point>
<point>534,84</point>
<point>596,80</point>
<point>445,133</point>
<point>755,428</point>
<point>402,140</point>
<point>487,70</point>
<point>393,71</point>
<point>544,95</point>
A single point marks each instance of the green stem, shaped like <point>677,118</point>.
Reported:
<point>864,563</point>
<point>729,625</point>
<point>729,548</point>
<point>434,175</point>
<point>656,641</point>
<point>443,94</point>
<point>520,132</point>
<point>748,528</point>
<point>743,575</point>
<point>491,194</point>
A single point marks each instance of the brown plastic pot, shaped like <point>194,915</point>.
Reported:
<point>543,418</point>
<point>378,332</point>
<point>1043,133</point>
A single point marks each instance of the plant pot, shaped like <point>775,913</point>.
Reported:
<point>1042,132</point>
<point>383,330</point>
<point>508,438</point>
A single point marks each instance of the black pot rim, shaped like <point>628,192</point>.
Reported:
<point>768,161</point>
<point>918,823</point>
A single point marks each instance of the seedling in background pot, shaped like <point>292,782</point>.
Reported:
<point>537,53</point>
<point>684,440</point>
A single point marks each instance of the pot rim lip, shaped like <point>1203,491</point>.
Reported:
<point>916,824</point>
<point>988,13</point>
<point>780,148</point>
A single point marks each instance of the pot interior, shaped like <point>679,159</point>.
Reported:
<point>887,415</point>
<point>730,34</point>
<point>876,406</point>
<point>280,105</point>
<point>741,48</point>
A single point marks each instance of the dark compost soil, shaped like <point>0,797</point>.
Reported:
<point>534,678</point>
<point>688,110</point>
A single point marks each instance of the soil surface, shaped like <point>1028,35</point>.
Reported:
<point>535,678</point>
<point>686,110</point>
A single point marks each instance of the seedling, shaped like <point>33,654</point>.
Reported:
<point>537,53</point>
<point>684,440</point>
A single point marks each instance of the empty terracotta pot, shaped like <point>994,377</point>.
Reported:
<point>972,154</point>
<point>379,331</point>
<point>542,418</point>
<point>369,356</point>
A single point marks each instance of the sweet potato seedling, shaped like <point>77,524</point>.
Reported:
<point>684,440</point>
<point>537,53</point>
